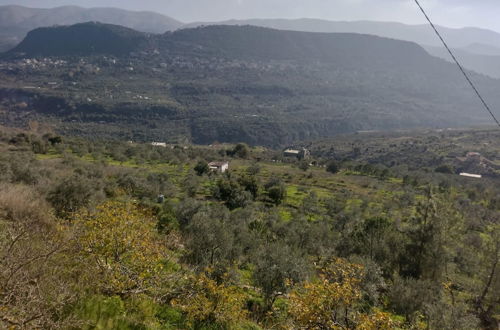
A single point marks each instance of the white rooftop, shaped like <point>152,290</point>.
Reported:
<point>476,176</point>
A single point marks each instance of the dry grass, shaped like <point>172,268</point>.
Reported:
<point>22,204</point>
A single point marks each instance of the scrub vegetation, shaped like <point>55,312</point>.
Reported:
<point>343,240</point>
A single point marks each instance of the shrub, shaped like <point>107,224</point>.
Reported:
<point>70,195</point>
<point>201,168</point>
<point>241,150</point>
<point>35,277</point>
<point>276,190</point>
<point>333,167</point>
<point>445,169</point>
<point>231,193</point>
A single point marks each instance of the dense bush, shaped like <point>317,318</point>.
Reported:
<point>70,195</point>
<point>332,167</point>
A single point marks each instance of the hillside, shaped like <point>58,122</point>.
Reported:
<point>488,64</point>
<point>472,44</point>
<point>237,83</point>
<point>482,49</point>
<point>421,34</point>
<point>475,47</point>
<point>17,21</point>
<point>256,43</point>
<point>80,39</point>
<point>245,43</point>
<point>117,235</point>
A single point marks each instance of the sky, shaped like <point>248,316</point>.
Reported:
<point>452,13</point>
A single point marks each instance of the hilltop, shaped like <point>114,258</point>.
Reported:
<point>467,37</point>
<point>238,42</point>
<point>257,43</point>
<point>80,39</point>
<point>17,21</point>
<point>478,49</point>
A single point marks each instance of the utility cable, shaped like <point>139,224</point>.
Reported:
<point>469,80</point>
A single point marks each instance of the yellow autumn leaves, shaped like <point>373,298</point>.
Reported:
<point>331,302</point>
<point>120,241</point>
<point>205,300</point>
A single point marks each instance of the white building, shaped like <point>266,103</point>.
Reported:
<point>219,166</point>
<point>468,175</point>
<point>159,144</point>
<point>302,153</point>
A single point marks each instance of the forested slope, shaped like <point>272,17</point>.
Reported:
<point>226,83</point>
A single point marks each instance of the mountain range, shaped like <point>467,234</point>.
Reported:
<point>231,83</point>
<point>478,49</point>
<point>421,34</point>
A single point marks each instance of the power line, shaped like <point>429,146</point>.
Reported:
<point>486,106</point>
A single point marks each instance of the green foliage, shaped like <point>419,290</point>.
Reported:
<point>445,169</point>
<point>167,221</point>
<point>253,169</point>
<point>232,193</point>
<point>191,185</point>
<point>103,313</point>
<point>332,167</point>
<point>277,265</point>
<point>201,168</point>
<point>276,191</point>
<point>241,150</point>
<point>170,318</point>
<point>209,238</point>
<point>250,184</point>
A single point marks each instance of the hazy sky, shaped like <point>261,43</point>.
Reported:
<point>453,13</point>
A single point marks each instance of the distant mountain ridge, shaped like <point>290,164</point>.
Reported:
<point>479,49</point>
<point>421,34</point>
<point>486,64</point>
<point>17,21</point>
<point>240,42</point>
<point>482,58</point>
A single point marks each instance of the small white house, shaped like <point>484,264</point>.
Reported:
<point>291,153</point>
<point>302,153</point>
<point>468,175</point>
<point>220,167</point>
<point>159,144</point>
